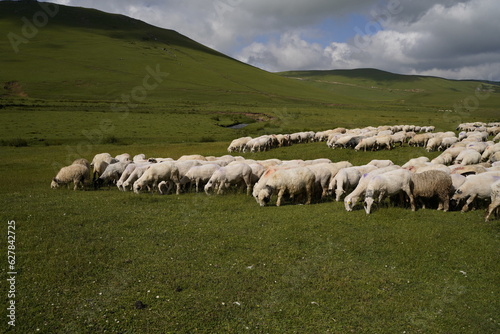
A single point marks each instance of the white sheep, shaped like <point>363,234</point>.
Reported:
<point>134,176</point>
<point>347,179</point>
<point>199,174</point>
<point>125,157</point>
<point>113,172</point>
<point>381,163</point>
<point>156,173</point>
<point>491,149</point>
<point>351,199</point>
<point>292,181</point>
<point>468,157</point>
<point>223,177</point>
<point>77,173</point>
<point>238,145</point>
<point>366,143</point>
<point>475,186</point>
<point>100,162</point>
<point>495,200</point>
<point>387,184</point>
<point>323,174</point>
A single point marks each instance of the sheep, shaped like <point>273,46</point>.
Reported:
<point>366,143</point>
<point>384,141</point>
<point>156,173</point>
<point>468,157</point>
<point>429,184</point>
<point>225,176</point>
<point>491,149</point>
<point>347,179</point>
<point>238,145</point>
<point>99,164</point>
<point>134,176</point>
<point>416,161</point>
<point>83,162</point>
<point>322,174</point>
<point>447,142</point>
<point>390,183</point>
<point>351,199</point>
<point>495,157</point>
<point>294,181</point>
<point>398,137</point>
<point>419,139</point>
<point>123,157</point>
<point>495,200</point>
<point>444,158</point>
<point>433,143</point>
<point>197,174</point>
<point>192,157</point>
<point>76,173</point>
<point>475,186</point>
<point>139,157</point>
<point>112,173</point>
<point>381,163</point>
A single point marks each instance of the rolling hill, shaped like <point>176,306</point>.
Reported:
<point>79,65</point>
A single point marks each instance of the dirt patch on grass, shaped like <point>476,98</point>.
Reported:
<point>14,88</point>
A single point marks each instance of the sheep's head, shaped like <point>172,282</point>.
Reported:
<point>54,184</point>
<point>348,203</point>
<point>264,196</point>
<point>368,204</point>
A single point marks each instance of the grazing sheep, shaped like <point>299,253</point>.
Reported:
<point>366,143</point>
<point>416,162</point>
<point>429,184</point>
<point>223,177</point>
<point>475,186</point>
<point>82,161</point>
<point>238,145</point>
<point>444,158</point>
<point>351,199</point>
<point>322,174</point>
<point>99,164</point>
<point>76,173</point>
<point>468,157</point>
<point>113,172</point>
<point>384,141</point>
<point>495,200</point>
<point>156,173</point>
<point>387,184</point>
<point>347,179</point>
<point>293,181</point>
<point>199,174</point>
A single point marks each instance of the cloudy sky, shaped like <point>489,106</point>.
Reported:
<point>456,39</point>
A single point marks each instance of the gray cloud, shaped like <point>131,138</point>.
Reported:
<point>456,38</point>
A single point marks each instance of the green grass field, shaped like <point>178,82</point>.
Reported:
<point>100,261</point>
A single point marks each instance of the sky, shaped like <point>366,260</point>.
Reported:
<point>454,39</point>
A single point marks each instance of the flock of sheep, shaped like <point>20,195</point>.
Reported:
<point>467,169</point>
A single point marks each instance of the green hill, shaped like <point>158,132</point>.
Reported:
<point>82,66</point>
<point>83,54</point>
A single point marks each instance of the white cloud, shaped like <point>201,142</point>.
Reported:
<point>458,38</point>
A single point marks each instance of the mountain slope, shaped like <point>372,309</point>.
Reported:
<point>87,54</point>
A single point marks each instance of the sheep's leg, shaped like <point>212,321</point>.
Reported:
<point>280,196</point>
<point>465,208</point>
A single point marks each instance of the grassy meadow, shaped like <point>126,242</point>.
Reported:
<point>98,261</point>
